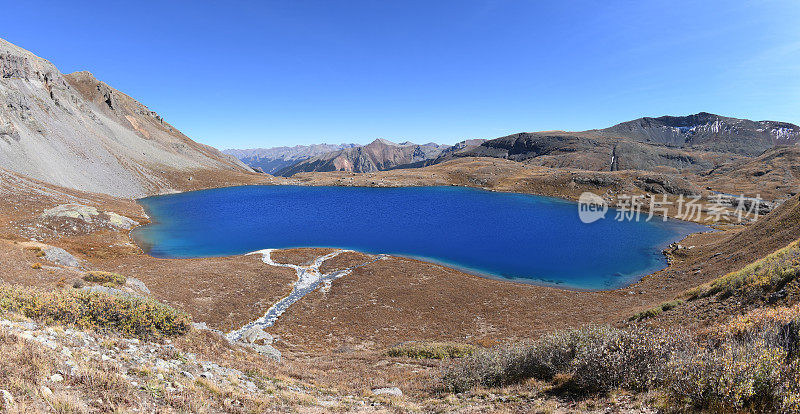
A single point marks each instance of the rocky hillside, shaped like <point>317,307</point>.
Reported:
<point>379,155</point>
<point>78,132</point>
<point>272,160</point>
<point>709,132</point>
<point>695,144</point>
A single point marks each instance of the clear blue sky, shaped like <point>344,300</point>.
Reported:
<point>267,73</point>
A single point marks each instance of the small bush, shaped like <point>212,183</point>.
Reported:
<point>37,251</point>
<point>734,377</point>
<point>594,358</point>
<point>775,327</point>
<point>129,315</point>
<point>749,364</point>
<point>105,278</point>
<point>655,311</point>
<point>431,350</point>
<point>629,359</point>
<point>36,266</point>
<point>671,304</point>
<point>645,314</point>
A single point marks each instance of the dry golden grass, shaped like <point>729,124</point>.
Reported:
<point>23,365</point>
<point>431,350</point>
<point>95,276</point>
<point>765,275</point>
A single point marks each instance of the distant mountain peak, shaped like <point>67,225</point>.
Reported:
<point>710,132</point>
<point>382,141</point>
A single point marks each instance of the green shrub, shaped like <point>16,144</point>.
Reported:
<point>645,314</point>
<point>105,278</point>
<point>129,315</point>
<point>431,350</point>
<point>655,311</point>
<point>736,376</point>
<point>629,359</point>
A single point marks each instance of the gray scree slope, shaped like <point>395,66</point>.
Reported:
<point>77,132</point>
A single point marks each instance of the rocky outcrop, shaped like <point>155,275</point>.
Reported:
<point>60,256</point>
<point>666,184</point>
<point>628,155</point>
<point>78,218</point>
<point>392,391</point>
<point>78,132</point>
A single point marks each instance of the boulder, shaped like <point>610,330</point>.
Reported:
<point>393,391</point>
<point>137,284</point>
<point>77,211</point>
<point>268,351</point>
<point>60,256</point>
<point>119,221</point>
<point>256,335</point>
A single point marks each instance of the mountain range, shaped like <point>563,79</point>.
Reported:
<point>696,142</point>
<point>379,155</point>
<point>78,132</point>
<point>272,160</point>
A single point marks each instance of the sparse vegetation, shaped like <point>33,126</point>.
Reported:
<point>103,378</point>
<point>656,310</point>
<point>37,251</point>
<point>748,364</point>
<point>593,358</point>
<point>24,365</point>
<point>756,280</point>
<point>431,350</point>
<point>105,278</point>
<point>129,315</point>
<point>763,276</point>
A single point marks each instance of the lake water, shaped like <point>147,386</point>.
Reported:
<point>518,237</point>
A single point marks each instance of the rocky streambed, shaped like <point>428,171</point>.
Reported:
<point>309,278</point>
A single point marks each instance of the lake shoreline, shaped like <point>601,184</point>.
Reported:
<point>439,224</point>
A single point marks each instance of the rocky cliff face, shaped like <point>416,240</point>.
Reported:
<point>77,132</point>
<point>378,155</point>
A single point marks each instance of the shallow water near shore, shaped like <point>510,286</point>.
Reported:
<point>519,237</point>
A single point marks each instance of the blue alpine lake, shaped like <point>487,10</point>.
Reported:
<point>518,237</point>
